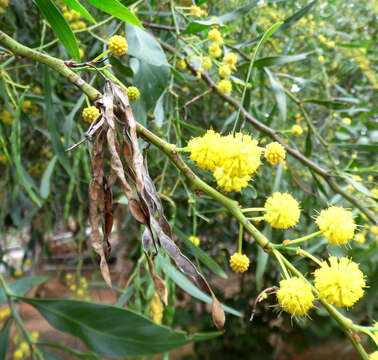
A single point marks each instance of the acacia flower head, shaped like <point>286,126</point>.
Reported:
<point>239,262</point>
<point>90,113</point>
<point>215,36</point>
<point>373,356</point>
<point>282,210</point>
<point>275,153</point>
<point>340,281</point>
<point>215,50</point>
<point>230,59</point>
<point>337,224</point>
<point>295,296</point>
<point>225,86</point>
<point>194,240</point>
<point>118,45</point>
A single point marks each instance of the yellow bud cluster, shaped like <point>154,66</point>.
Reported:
<point>195,240</point>
<point>239,263</point>
<point>118,45</point>
<point>78,285</point>
<point>230,59</point>
<point>156,308</point>
<point>181,64</point>
<point>232,158</point>
<point>4,312</point>
<point>215,36</point>
<point>225,86</point>
<point>215,50</point>
<point>197,11</point>
<point>133,93</point>
<point>6,117</point>
<point>297,130</point>
<point>73,17</point>
<point>224,71</point>
<point>90,114</point>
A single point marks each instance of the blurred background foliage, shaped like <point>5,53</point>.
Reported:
<point>317,72</point>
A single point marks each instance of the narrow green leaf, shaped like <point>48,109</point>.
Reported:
<point>112,331</point>
<point>336,105</point>
<point>115,8</point>
<point>4,338</point>
<point>60,26</point>
<point>279,94</point>
<point>185,284</point>
<point>75,5</point>
<point>277,60</point>
<point>21,286</point>
<point>46,178</point>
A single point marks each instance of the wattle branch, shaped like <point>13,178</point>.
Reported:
<point>198,184</point>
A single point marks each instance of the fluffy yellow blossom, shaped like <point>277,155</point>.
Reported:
<point>215,36</point>
<point>18,354</point>
<point>282,210</point>
<point>337,224</point>
<point>225,86</point>
<point>374,191</point>
<point>239,263</point>
<point>181,64</point>
<point>322,38</point>
<point>196,11</point>
<point>90,114</point>
<point>133,93</point>
<point>4,3</point>
<point>373,356</point>
<point>232,158</point>
<point>347,121</point>
<point>230,59</point>
<point>26,105</point>
<point>118,45</point>
<point>360,237</point>
<point>215,50</point>
<point>224,71</point>
<point>295,296</point>
<point>195,240</point>
<point>321,58</point>
<point>339,281</point>
<point>297,130</point>
<point>4,312</point>
<point>331,44</point>
<point>37,90</point>
<point>6,117</point>
<point>207,63</point>
<point>275,153</point>
<point>156,308</point>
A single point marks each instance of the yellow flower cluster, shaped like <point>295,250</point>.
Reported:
<point>232,158</point>
<point>297,130</point>
<point>73,17</point>
<point>90,114</point>
<point>118,45</point>
<point>337,224</point>
<point>197,11</point>
<point>224,86</point>
<point>23,350</point>
<point>195,240</point>
<point>215,50</point>
<point>275,153</point>
<point>239,263</point>
<point>3,4</point>
<point>78,285</point>
<point>156,309</point>
<point>282,211</point>
<point>4,312</point>
<point>133,93</point>
<point>215,36</point>
<point>6,117</point>
<point>340,281</point>
<point>295,296</point>
<point>373,356</point>
<point>181,64</point>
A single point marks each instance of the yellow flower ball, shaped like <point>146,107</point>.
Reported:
<point>347,121</point>
<point>373,356</point>
<point>230,59</point>
<point>6,117</point>
<point>321,58</point>
<point>207,63</point>
<point>118,45</point>
<point>90,114</point>
<point>275,153</point>
<point>215,36</point>
<point>322,38</point>
<point>331,44</point>
<point>18,354</point>
<point>239,263</point>
<point>230,183</point>
<point>195,240</point>
<point>215,50</point>
<point>224,86</point>
<point>133,93</point>
<point>295,296</point>
<point>224,71</point>
<point>4,3</point>
<point>181,64</point>
<point>337,224</point>
<point>75,15</point>
<point>282,211</point>
<point>340,281</point>
<point>196,11</point>
<point>297,130</point>
<point>360,237</point>
<point>37,90</point>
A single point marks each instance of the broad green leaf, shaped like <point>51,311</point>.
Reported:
<point>115,8</point>
<point>46,179</point>
<point>152,81</point>
<point>48,355</point>
<point>75,5</point>
<point>60,26</point>
<point>4,338</point>
<point>144,46</point>
<point>21,286</point>
<point>77,354</point>
<point>279,94</point>
<point>112,331</point>
<point>278,60</point>
<point>197,26</point>
<point>185,284</point>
